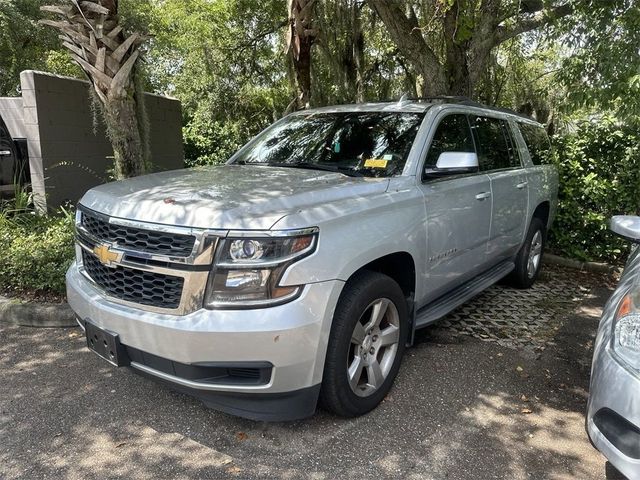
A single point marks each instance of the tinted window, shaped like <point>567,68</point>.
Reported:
<point>368,143</point>
<point>537,142</point>
<point>452,135</point>
<point>495,150</point>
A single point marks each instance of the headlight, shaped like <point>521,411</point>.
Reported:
<point>247,270</point>
<point>626,338</point>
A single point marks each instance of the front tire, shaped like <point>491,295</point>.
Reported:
<point>366,344</point>
<point>529,258</point>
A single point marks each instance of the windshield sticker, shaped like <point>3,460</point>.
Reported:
<point>376,163</point>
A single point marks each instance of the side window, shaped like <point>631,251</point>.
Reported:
<point>452,135</point>
<point>537,142</point>
<point>494,149</point>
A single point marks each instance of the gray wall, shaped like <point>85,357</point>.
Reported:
<point>66,156</point>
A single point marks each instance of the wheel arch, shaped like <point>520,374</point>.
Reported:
<point>401,267</point>
<point>542,212</point>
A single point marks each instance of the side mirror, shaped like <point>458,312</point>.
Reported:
<point>627,226</point>
<point>453,163</point>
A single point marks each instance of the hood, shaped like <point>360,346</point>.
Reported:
<point>226,197</point>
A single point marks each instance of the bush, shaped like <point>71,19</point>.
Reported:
<point>599,169</point>
<point>36,252</point>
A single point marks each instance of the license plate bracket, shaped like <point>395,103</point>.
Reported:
<point>106,345</point>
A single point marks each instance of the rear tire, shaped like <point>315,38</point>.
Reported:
<point>529,258</point>
<point>366,344</point>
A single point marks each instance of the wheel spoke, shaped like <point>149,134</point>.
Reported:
<point>537,249</point>
<point>358,334</point>
<point>531,267</point>
<point>355,372</point>
<point>389,336</point>
<point>535,253</point>
<point>374,372</point>
<point>377,313</point>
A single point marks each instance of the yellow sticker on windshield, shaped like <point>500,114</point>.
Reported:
<point>376,163</point>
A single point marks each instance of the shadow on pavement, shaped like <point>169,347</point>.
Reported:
<point>462,408</point>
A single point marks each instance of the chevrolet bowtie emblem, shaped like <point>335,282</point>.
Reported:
<point>106,256</point>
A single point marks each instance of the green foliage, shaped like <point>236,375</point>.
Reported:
<point>601,65</point>
<point>599,168</point>
<point>225,61</point>
<point>61,63</point>
<point>36,252</point>
<point>27,45</point>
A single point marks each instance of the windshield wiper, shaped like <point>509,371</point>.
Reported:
<point>314,166</point>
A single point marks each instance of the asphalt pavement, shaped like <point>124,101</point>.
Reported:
<point>462,408</point>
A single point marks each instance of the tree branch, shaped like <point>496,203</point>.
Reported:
<point>539,19</point>
<point>406,34</point>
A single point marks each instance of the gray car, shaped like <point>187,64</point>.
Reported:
<point>613,416</point>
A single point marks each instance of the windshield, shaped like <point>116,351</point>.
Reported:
<point>373,144</point>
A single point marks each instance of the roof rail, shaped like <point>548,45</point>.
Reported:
<point>462,100</point>
<point>459,100</point>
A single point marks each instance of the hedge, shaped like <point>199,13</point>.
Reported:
<point>599,168</point>
<point>36,252</point>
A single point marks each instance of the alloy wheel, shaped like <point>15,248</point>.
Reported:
<point>374,345</point>
<point>535,254</point>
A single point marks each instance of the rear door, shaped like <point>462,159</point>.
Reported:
<point>7,162</point>
<point>500,160</point>
<point>458,212</point>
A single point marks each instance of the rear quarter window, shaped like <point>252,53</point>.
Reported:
<point>537,143</point>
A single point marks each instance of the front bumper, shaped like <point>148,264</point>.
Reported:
<point>291,338</point>
<point>613,414</point>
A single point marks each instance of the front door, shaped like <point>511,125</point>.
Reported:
<point>458,213</point>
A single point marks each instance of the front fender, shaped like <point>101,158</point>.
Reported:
<point>357,232</point>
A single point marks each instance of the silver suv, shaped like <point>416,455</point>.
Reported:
<point>299,270</point>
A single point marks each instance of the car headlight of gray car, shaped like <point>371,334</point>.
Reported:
<point>247,269</point>
<point>626,325</point>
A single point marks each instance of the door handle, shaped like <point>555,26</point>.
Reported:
<point>520,186</point>
<point>483,195</point>
<point>5,153</point>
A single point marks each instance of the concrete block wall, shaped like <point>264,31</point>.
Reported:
<point>68,154</point>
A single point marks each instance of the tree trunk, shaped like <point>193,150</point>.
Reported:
<point>302,67</point>
<point>121,118</point>
<point>358,52</point>
<point>91,31</point>
<point>300,39</point>
<point>456,62</point>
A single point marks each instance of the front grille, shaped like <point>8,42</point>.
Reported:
<point>146,288</point>
<point>149,241</point>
